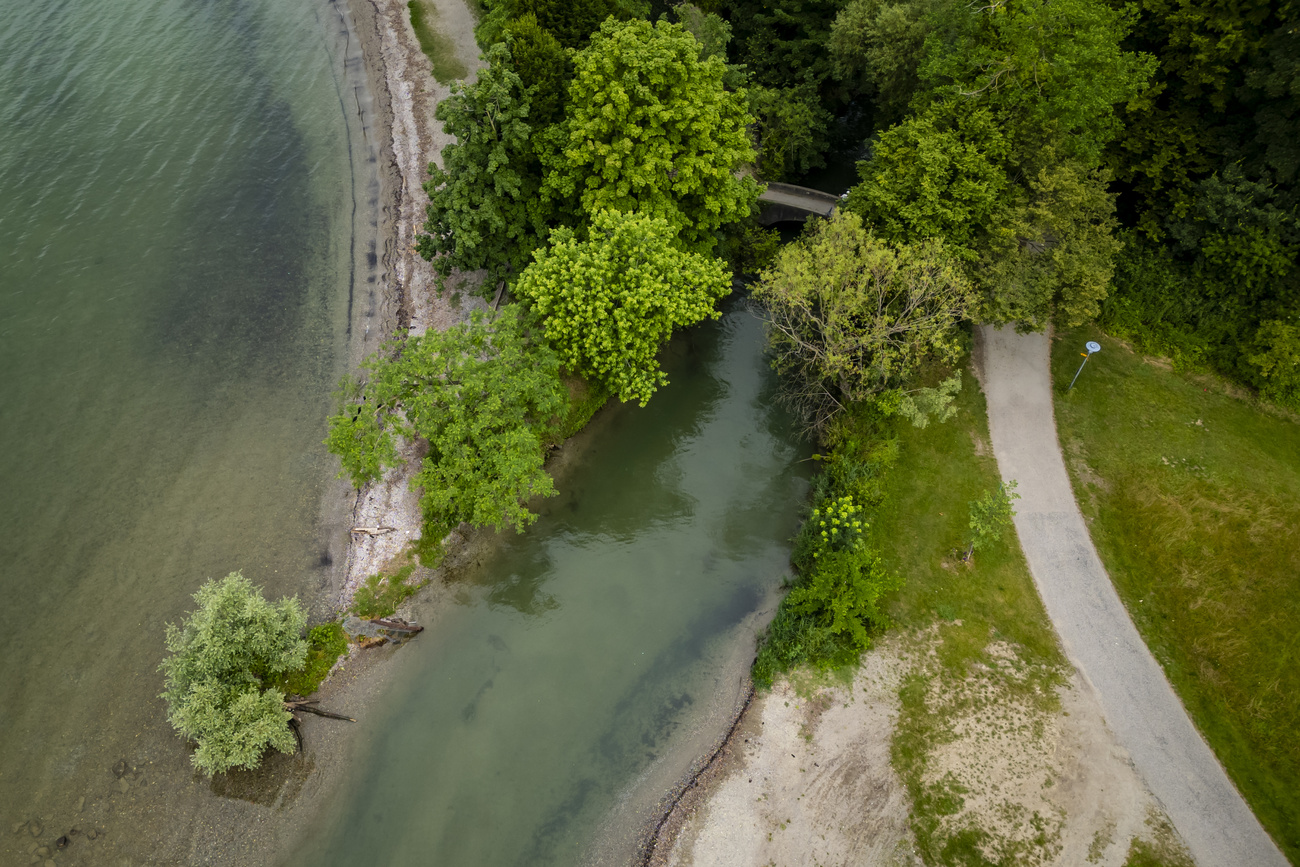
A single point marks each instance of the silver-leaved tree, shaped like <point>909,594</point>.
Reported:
<point>222,656</point>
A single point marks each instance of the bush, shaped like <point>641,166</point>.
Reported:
<point>326,643</point>
<point>827,617</point>
<point>222,655</point>
<point>381,594</point>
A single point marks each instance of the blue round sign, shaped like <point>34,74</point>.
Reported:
<point>1093,346</point>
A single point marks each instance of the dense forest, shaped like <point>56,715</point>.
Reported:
<point>1129,162</point>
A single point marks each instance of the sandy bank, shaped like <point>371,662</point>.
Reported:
<point>806,776</point>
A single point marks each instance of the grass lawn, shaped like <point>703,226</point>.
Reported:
<point>1193,498</point>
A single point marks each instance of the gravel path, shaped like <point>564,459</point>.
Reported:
<point>1140,707</point>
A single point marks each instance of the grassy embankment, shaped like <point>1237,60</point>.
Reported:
<point>434,43</point>
<point>1193,498</point>
<point>993,645</point>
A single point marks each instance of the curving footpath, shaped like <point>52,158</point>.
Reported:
<point>1099,638</point>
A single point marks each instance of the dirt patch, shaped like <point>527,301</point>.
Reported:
<point>1024,778</point>
<point>807,780</point>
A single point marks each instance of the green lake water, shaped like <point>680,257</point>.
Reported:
<point>176,216</point>
<point>592,657</point>
<point>184,197</point>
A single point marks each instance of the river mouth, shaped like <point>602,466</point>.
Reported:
<point>588,662</point>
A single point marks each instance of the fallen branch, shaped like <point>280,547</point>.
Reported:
<point>373,531</point>
<point>306,706</point>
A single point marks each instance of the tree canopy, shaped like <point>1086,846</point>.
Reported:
<point>484,211</point>
<point>610,301</point>
<point>651,129</point>
<point>480,394</point>
<point>850,315</point>
<point>221,656</point>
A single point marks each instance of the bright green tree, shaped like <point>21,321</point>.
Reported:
<point>990,517</point>
<point>480,394</point>
<point>221,657</point>
<point>610,301</point>
<point>484,211</point>
<point>651,129</point>
<point>850,315</point>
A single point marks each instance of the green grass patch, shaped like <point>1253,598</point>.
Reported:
<point>921,527</point>
<point>380,595</point>
<point>327,644</point>
<point>434,43</point>
<point>1193,496</point>
<point>585,400</point>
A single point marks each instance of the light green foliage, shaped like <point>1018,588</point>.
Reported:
<point>938,174</point>
<point>920,406</point>
<point>836,526</point>
<point>479,394</point>
<point>221,655</point>
<point>484,211</point>
<point>380,594</point>
<point>651,129</point>
<point>1053,249</point>
<point>572,22</point>
<point>850,315</point>
<point>609,302</point>
<point>991,514</point>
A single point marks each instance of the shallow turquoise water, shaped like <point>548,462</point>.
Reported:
<point>174,277</point>
<point>585,650</point>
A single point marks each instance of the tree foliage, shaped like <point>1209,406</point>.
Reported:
<point>850,315</point>
<point>990,516</point>
<point>484,211</point>
<point>221,657</point>
<point>610,301</point>
<point>651,129</point>
<point>480,394</point>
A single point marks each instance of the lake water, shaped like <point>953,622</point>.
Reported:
<point>175,268</point>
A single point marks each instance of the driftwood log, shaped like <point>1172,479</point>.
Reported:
<point>305,706</point>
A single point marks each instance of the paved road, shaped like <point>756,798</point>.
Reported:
<point>1140,707</point>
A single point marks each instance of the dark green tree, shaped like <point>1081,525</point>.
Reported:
<point>543,67</point>
<point>484,210</point>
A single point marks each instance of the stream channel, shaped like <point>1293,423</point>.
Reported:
<point>593,658</point>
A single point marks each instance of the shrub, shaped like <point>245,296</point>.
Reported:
<point>326,643</point>
<point>222,655</point>
<point>380,595</point>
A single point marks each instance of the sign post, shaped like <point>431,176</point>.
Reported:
<point>1092,346</point>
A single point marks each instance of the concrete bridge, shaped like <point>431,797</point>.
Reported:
<point>788,203</point>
